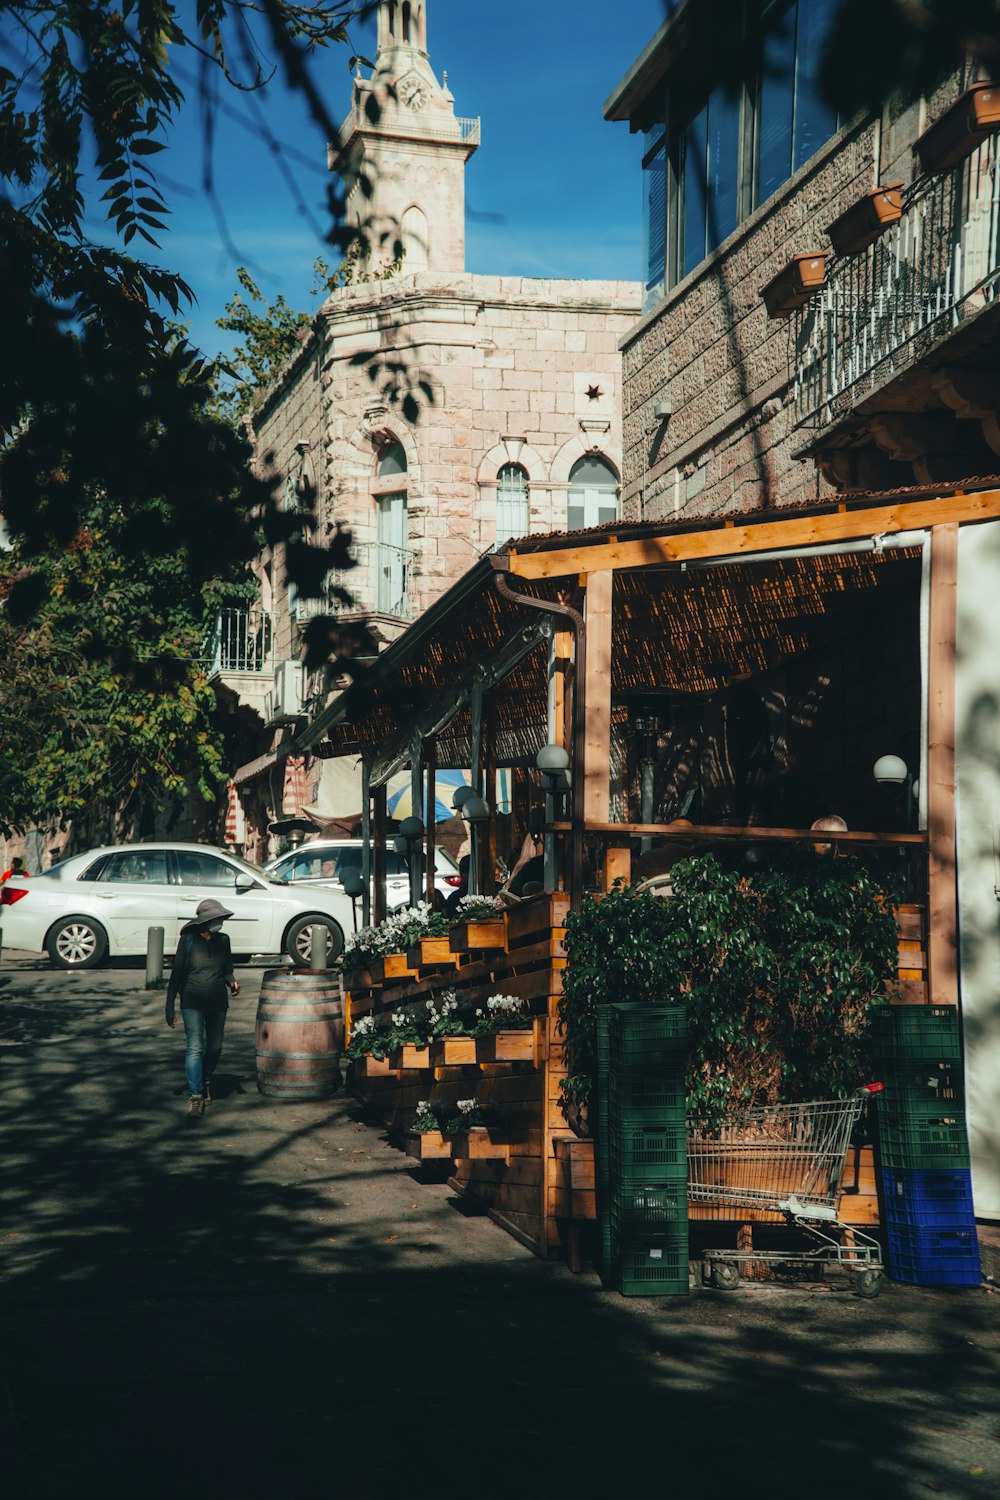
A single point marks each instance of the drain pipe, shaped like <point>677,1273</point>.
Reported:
<point>576,622</point>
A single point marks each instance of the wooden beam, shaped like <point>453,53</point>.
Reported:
<point>765,536</point>
<point>597,753</point>
<point>694,833</point>
<point>942,915</point>
<point>617,865</point>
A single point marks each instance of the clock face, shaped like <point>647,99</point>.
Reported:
<point>413,93</point>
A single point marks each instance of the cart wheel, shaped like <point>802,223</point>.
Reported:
<point>868,1283</point>
<point>725,1276</point>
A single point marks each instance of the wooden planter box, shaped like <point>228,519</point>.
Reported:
<point>429,950</point>
<point>793,286</point>
<point>453,1051</point>
<point>390,966</point>
<point>467,937</point>
<point>358,979</point>
<point>374,1067</point>
<point>865,220</point>
<point>410,1056</point>
<point>961,129</point>
<point>475,1145</point>
<point>506,1046</point>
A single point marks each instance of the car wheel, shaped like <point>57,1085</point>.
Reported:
<point>77,943</point>
<point>298,940</point>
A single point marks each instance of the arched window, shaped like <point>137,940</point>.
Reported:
<point>406,22</point>
<point>392,553</point>
<point>593,494</point>
<point>512,502</point>
<point>413,232</point>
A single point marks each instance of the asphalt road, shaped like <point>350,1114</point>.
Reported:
<point>269,1302</point>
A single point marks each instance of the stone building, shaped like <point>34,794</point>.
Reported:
<point>517,382</point>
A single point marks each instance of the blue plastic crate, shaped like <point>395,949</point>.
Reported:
<point>926,1199</point>
<point>934,1257</point>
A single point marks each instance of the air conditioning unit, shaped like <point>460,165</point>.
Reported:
<point>286,701</point>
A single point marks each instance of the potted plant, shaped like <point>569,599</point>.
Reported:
<point>503,1030</point>
<point>383,948</point>
<point>479,925</point>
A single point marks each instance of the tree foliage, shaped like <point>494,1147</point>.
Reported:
<point>776,971</point>
<point>105,706</point>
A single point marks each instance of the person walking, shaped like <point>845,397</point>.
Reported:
<point>202,976</point>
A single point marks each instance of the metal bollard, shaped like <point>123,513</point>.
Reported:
<point>154,958</point>
<point>318,946</point>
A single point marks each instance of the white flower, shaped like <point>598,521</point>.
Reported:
<point>364,1025</point>
<point>467,1105</point>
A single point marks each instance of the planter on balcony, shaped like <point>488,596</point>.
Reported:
<point>374,1067</point>
<point>961,129</point>
<point>793,286</point>
<point>865,220</point>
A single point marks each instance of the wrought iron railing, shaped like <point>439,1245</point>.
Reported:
<point>940,260</point>
<point>242,640</point>
<point>381,583</point>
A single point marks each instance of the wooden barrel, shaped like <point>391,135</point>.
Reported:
<point>300,1033</point>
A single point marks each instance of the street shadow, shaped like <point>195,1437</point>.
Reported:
<point>272,1301</point>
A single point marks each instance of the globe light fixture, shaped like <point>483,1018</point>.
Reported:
<point>553,762</point>
<point>411,829</point>
<point>475,809</point>
<point>890,770</point>
<point>461,797</point>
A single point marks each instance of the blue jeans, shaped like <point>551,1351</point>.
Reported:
<point>204,1044</point>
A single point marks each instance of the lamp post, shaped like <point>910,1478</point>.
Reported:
<point>474,812</point>
<point>354,886</point>
<point>892,770</point>
<point>411,833</point>
<point>553,763</point>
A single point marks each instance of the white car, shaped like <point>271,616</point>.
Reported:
<point>327,861</point>
<point>101,905</point>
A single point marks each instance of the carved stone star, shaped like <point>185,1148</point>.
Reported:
<point>594,393</point>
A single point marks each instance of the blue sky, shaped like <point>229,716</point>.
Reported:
<point>565,185</point>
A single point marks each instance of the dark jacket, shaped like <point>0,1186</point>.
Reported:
<point>201,975</point>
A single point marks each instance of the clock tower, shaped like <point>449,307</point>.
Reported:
<point>402,151</point>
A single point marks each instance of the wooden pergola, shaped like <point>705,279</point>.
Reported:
<point>548,640</point>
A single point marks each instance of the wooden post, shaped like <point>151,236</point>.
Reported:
<point>942,913</point>
<point>366,843</point>
<point>597,767</point>
<point>381,902</point>
<point>563,653</point>
<point>617,864</point>
<point>487,877</point>
<point>430,766</point>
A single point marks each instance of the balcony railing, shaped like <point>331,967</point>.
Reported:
<point>937,263</point>
<point>382,583</point>
<point>241,641</point>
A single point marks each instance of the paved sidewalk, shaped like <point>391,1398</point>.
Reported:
<point>267,1302</point>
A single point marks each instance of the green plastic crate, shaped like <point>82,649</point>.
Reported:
<point>909,1031</point>
<point>647,1269</point>
<point>923,1135</point>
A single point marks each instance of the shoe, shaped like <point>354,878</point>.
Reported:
<point>196,1106</point>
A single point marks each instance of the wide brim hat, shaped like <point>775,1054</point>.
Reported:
<point>207,911</point>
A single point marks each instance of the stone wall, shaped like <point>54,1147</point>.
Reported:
<point>710,350</point>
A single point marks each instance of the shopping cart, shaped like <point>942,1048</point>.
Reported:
<point>785,1162</point>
